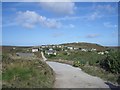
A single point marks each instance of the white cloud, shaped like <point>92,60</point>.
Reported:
<point>70,18</point>
<point>94,15</point>
<point>30,19</point>
<point>109,25</point>
<point>65,8</point>
<point>92,35</point>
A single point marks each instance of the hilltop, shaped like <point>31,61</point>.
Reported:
<point>86,45</point>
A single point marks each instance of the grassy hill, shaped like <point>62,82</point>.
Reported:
<point>86,45</point>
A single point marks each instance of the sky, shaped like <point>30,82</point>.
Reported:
<point>41,23</point>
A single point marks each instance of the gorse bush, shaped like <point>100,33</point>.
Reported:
<point>76,63</point>
<point>80,63</point>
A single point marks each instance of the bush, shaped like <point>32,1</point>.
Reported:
<point>118,81</point>
<point>76,63</point>
<point>111,62</point>
<point>51,55</point>
<point>79,63</point>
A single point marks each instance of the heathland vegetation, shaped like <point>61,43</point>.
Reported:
<point>25,72</point>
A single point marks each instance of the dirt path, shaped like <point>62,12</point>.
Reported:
<point>71,77</point>
<point>44,58</point>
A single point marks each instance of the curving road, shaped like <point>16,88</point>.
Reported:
<point>68,76</point>
<point>71,77</point>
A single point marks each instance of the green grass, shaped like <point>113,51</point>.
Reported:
<point>96,71</point>
<point>91,57</point>
<point>27,74</point>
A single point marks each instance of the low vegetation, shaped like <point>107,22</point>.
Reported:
<point>26,73</point>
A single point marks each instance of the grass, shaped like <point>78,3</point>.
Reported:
<point>91,57</point>
<point>99,72</point>
<point>26,73</point>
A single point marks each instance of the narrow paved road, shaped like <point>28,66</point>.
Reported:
<point>71,77</point>
<point>44,58</point>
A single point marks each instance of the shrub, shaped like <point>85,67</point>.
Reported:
<point>76,63</point>
<point>111,62</point>
<point>118,81</point>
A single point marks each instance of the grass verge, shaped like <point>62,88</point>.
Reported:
<point>17,73</point>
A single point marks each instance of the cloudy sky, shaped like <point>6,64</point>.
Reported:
<point>28,23</point>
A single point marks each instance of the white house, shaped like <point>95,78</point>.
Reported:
<point>50,49</point>
<point>106,52</point>
<point>71,48</point>
<point>35,50</point>
<point>50,52</point>
<point>53,46</point>
<point>76,48</point>
<point>14,48</point>
<point>93,49</point>
<point>43,46</point>
<point>85,50</point>
<point>101,53</point>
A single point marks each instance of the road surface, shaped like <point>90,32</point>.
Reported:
<point>68,76</point>
<point>44,58</point>
<point>71,77</point>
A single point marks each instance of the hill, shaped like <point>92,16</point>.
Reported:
<point>86,45</point>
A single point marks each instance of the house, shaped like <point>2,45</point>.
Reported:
<point>50,52</point>
<point>43,46</point>
<point>59,46</point>
<point>14,48</point>
<point>106,52</point>
<point>101,53</point>
<point>93,49</point>
<point>71,48</point>
<point>50,49</point>
<point>65,50</point>
<point>76,48</point>
<point>54,46</point>
<point>35,49</point>
<point>85,50</point>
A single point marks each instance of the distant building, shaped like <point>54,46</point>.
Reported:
<point>50,49</point>
<point>43,46</point>
<point>76,48</point>
<point>35,49</point>
<point>50,52</point>
<point>14,48</point>
<point>106,52</point>
<point>101,53</point>
<point>93,49</point>
<point>53,46</point>
<point>85,50</point>
<point>71,48</point>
